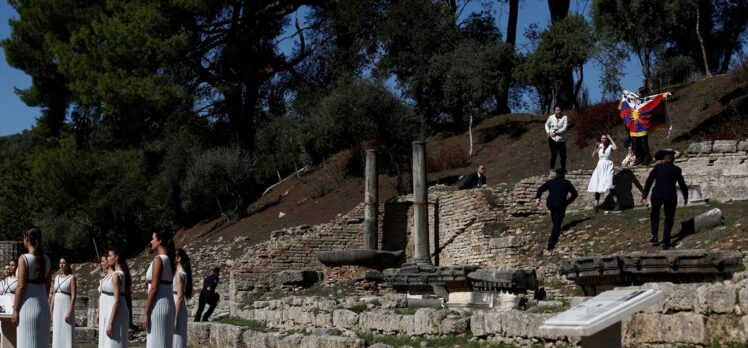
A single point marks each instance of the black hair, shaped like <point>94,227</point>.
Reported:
<point>187,266</point>
<point>167,240</point>
<point>122,259</point>
<point>34,236</point>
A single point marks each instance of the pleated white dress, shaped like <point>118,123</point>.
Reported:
<point>9,285</point>
<point>102,323</point>
<point>602,177</point>
<point>161,320</point>
<point>180,336</point>
<point>120,323</point>
<point>33,317</point>
<point>63,333</point>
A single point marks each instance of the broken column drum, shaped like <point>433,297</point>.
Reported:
<point>420,206</point>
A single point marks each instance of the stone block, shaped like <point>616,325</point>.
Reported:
<point>725,146</point>
<point>224,335</point>
<point>678,297</point>
<point>577,300</point>
<point>455,325</point>
<point>743,299</point>
<point>198,334</point>
<point>716,298</point>
<point>395,300</point>
<point>724,329</point>
<point>646,328</point>
<point>743,145</point>
<point>386,322</point>
<point>485,323</point>
<point>700,147</point>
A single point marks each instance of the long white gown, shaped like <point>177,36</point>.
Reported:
<point>63,333</point>
<point>602,177</point>
<point>161,320</point>
<point>34,318</point>
<point>180,336</point>
<point>119,325</point>
<point>9,285</point>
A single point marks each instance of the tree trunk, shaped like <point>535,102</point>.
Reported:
<point>559,9</point>
<point>701,42</point>
<point>511,27</point>
<point>470,135</point>
<point>578,87</point>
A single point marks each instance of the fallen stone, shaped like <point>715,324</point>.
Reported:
<point>716,298</point>
<point>546,304</point>
<point>683,327</point>
<point>298,277</point>
<point>743,145</point>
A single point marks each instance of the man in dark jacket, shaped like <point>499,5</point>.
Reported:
<point>561,193</point>
<point>208,295</point>
<point>664,175</point>
<point>475,179</point>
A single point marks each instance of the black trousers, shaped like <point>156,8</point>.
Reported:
<point>201,306</point>
<point>557,148</point>
<point>557,218</point>
<point>654,217</point>
<point>641,149</point>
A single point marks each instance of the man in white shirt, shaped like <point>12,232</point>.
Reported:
<point>555,127</point>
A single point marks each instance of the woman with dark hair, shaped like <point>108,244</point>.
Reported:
<point>105,274</point>
<point>182,294</point>
<point>30,309</point>
<point>158,316</point>
<point>602,178</point>
<point>63,305</point>
<point>11,281</point>
<point>114,309</point>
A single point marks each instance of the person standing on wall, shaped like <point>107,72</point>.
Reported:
<point>561,193</point>
<point>208,295</point>
<point>475,179</point>
<point>664,176</point>
<point>555,128</point>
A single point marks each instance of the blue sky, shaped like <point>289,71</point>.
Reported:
<point>15,116</point>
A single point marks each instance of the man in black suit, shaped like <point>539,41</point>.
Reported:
<point>561,193</point>
<point>475,179</point>
<point>208,295</point>
<point>665,175</point>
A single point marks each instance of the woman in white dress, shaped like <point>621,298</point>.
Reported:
<point>105,272</point>
<point>11,282</point>
<point>31,314</point>
<point>602,177</point>
<point>182,294</point>
<point>63,307</point>
<point>114,309</point>
<point>158,315</point>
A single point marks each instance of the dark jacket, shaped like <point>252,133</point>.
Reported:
<point>665,175</point>
<point>558,190</point>
<point>473,181</point>
<point>209,288</point>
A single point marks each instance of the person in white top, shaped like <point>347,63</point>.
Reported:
<point>159,312</point>
<point>63,305</point>
<point>602,178</point>
<point>182,294</point>
<point>555,128</point>
<point>31,314</point>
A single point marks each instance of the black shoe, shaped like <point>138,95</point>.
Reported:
<point>665,246</point>
<point>654,241</point>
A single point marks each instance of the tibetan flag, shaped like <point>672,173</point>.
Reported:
<point>641,115</point>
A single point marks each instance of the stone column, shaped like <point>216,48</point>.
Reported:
<point>371,201</point>
<point>420,205</point>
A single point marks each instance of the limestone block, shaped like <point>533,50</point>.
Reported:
<point>701,147</point>
<point>716,298</point>
<point>521,324</point>
<point>743,145</point>
<point>427,321</point>
<point>198,334</point>
<point>395,300</point>
<point>226,336</point>
<point>678,297</point>
<point>743,299</point>
<point>725,146</point>
<point>344,318</point>
<point>683,327</point>
<point>724,329</point>
<point>330,342</point>
<point>386,322</point>
<point>577,300</point>
<point>455,325</point>
<point>484,323</point>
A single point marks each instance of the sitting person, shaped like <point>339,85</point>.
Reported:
<point>630,158</point>
<point>475,179</point>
